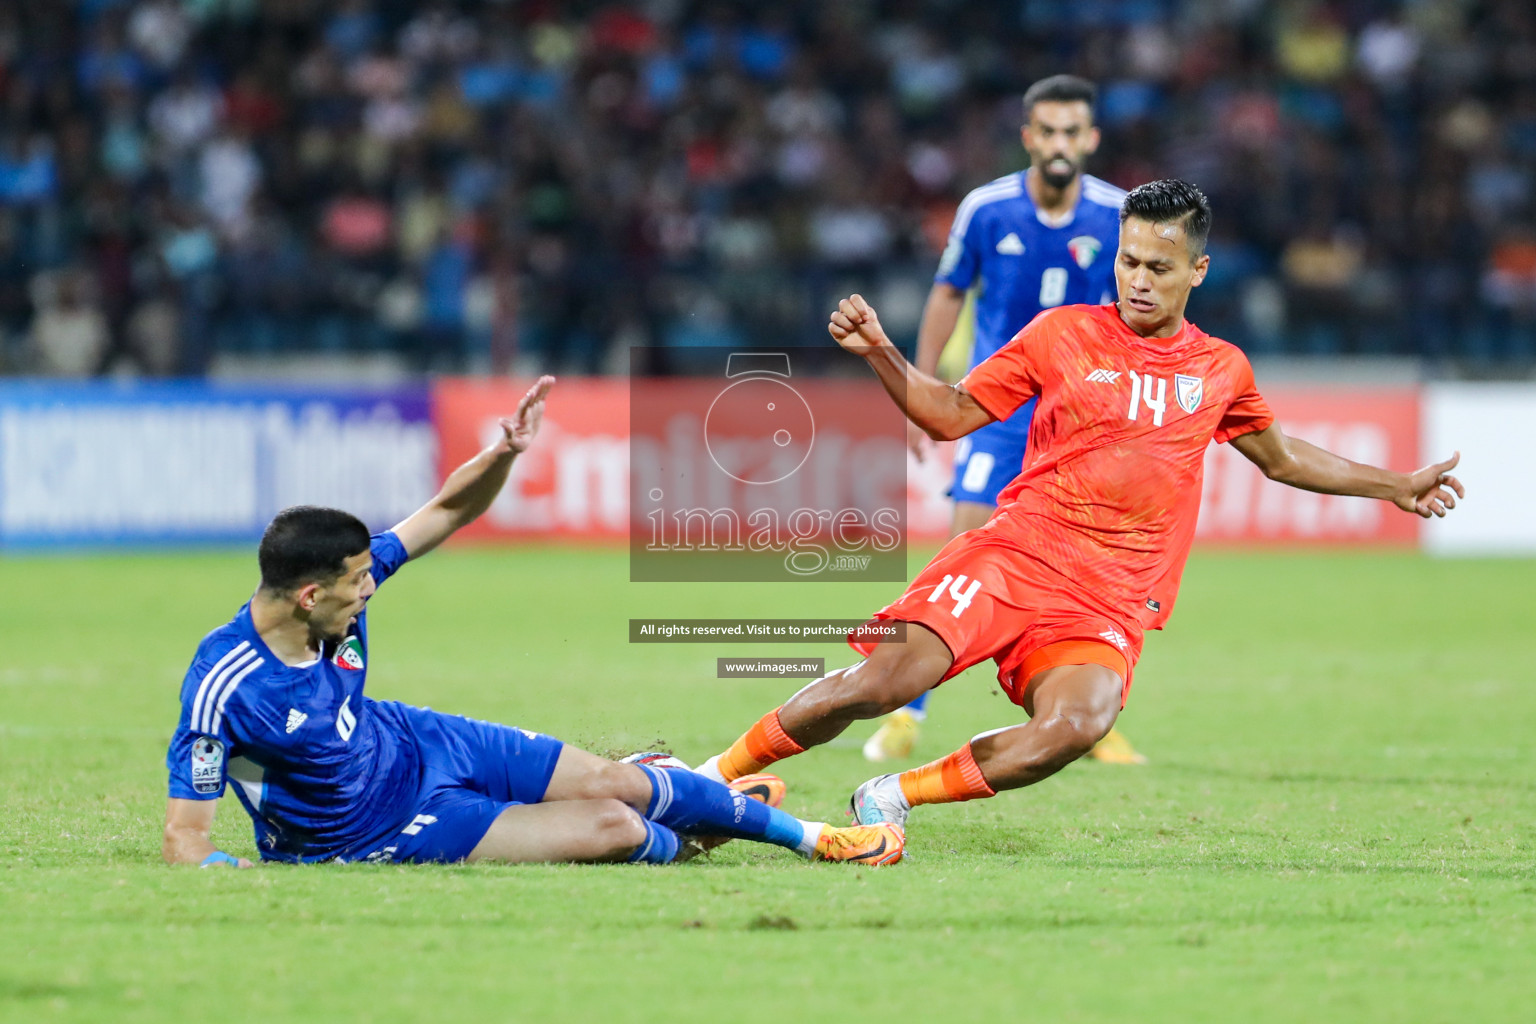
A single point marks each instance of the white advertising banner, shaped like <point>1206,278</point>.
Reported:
<point>1494,428</point>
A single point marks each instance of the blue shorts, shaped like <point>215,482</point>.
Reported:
<point>471,771</point>
<point>988,458</point>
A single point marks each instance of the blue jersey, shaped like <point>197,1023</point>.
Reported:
<point>322,769</point>
<point>1022,265</point>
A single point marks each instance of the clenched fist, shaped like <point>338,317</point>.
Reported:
<point>855,326</point>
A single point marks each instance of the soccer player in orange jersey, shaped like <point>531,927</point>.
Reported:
<point>1088,543</point>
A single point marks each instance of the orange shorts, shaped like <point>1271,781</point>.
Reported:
<point>986,598</point>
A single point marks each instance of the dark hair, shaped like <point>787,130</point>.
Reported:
<point>1171,201</point>
<point>308,544</point>
<point>1060,89</point>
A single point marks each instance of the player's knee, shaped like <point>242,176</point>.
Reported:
<point>1073,728</point>
<point>1077,730</point>
<point>618,826</point>
<point>613,781</point>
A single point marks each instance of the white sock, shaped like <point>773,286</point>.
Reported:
<point>711,769</point>
<point>812,832</point>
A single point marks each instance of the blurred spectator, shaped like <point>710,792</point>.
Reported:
<point>69,333</point>
<point>154,335</point>
<point>471,182</point>
<point>160,30</point>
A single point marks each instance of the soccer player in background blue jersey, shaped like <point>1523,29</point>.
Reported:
<point>274,703</point>
<point>1029,241</point>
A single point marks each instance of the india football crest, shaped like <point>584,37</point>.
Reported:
<point>1189,391</point>
<point>1085,249</point>
<point>349,655</point>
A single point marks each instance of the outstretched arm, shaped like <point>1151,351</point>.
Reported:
<point>187,827</point>
<point>470,489</point>
<point>943,411</point>
<point>1427,492</point>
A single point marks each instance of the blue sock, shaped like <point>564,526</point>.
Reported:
<point>660,846</point>
<point>919,707</point>
<point>692,804</point>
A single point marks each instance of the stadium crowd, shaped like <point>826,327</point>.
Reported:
<point>473,183</point>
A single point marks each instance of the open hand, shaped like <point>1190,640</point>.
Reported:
<point>523,426</point>
<point>1432,490</point>
<point>856,327</point>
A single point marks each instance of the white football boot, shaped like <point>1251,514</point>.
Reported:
<point>880,800</point>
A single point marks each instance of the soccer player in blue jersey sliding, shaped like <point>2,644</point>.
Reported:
<point>274,703</point>
<point>1027,242</point>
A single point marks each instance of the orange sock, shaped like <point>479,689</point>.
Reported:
<point>945,781</point>
<point>760,746</point>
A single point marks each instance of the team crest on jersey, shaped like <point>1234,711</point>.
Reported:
<point>207,764</point>
<point>1189,391</point>
<point>1085,249</point>
<point>349,655</point>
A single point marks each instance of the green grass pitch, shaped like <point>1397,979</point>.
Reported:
<point>1338,824</point>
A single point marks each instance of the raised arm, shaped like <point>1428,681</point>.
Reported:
<point>1427,492</point>
<point>188,824</point>
<point>940,315</point>
<point>470,489</point>
<point>943,411</point>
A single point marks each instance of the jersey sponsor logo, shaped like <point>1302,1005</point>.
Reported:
<point>1103,376</point>
<point>1115,637</point>
<point>296,718</point>
<point>1011,245</point>
<point>349,655</point>
<point>1189,391</point>
<point>1085,249</point>
<point>346,721</point>
<point>207,764</point>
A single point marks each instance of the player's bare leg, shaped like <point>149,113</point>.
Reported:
<point>668,803</point>
<point>569,830</point>
<point>891,676</point>
<point>1071,708</point>
<point>579,775</point>
<point>969,515</point>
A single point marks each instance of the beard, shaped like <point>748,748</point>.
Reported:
<point>334,635</point>
<point>1058,179</point>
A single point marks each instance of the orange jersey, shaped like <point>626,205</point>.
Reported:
<point>1110,487</point>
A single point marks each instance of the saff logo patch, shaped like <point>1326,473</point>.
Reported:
<point>1189,391</point>
<point>1085,249</point>
<point>207,764</point>
<point>349,655</point>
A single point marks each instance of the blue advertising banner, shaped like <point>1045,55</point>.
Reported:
<point>154,463</point>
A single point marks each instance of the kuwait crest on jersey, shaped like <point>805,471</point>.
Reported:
<point>1189,391</point>
<point>1085,249</point>
<point>349,655</point>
